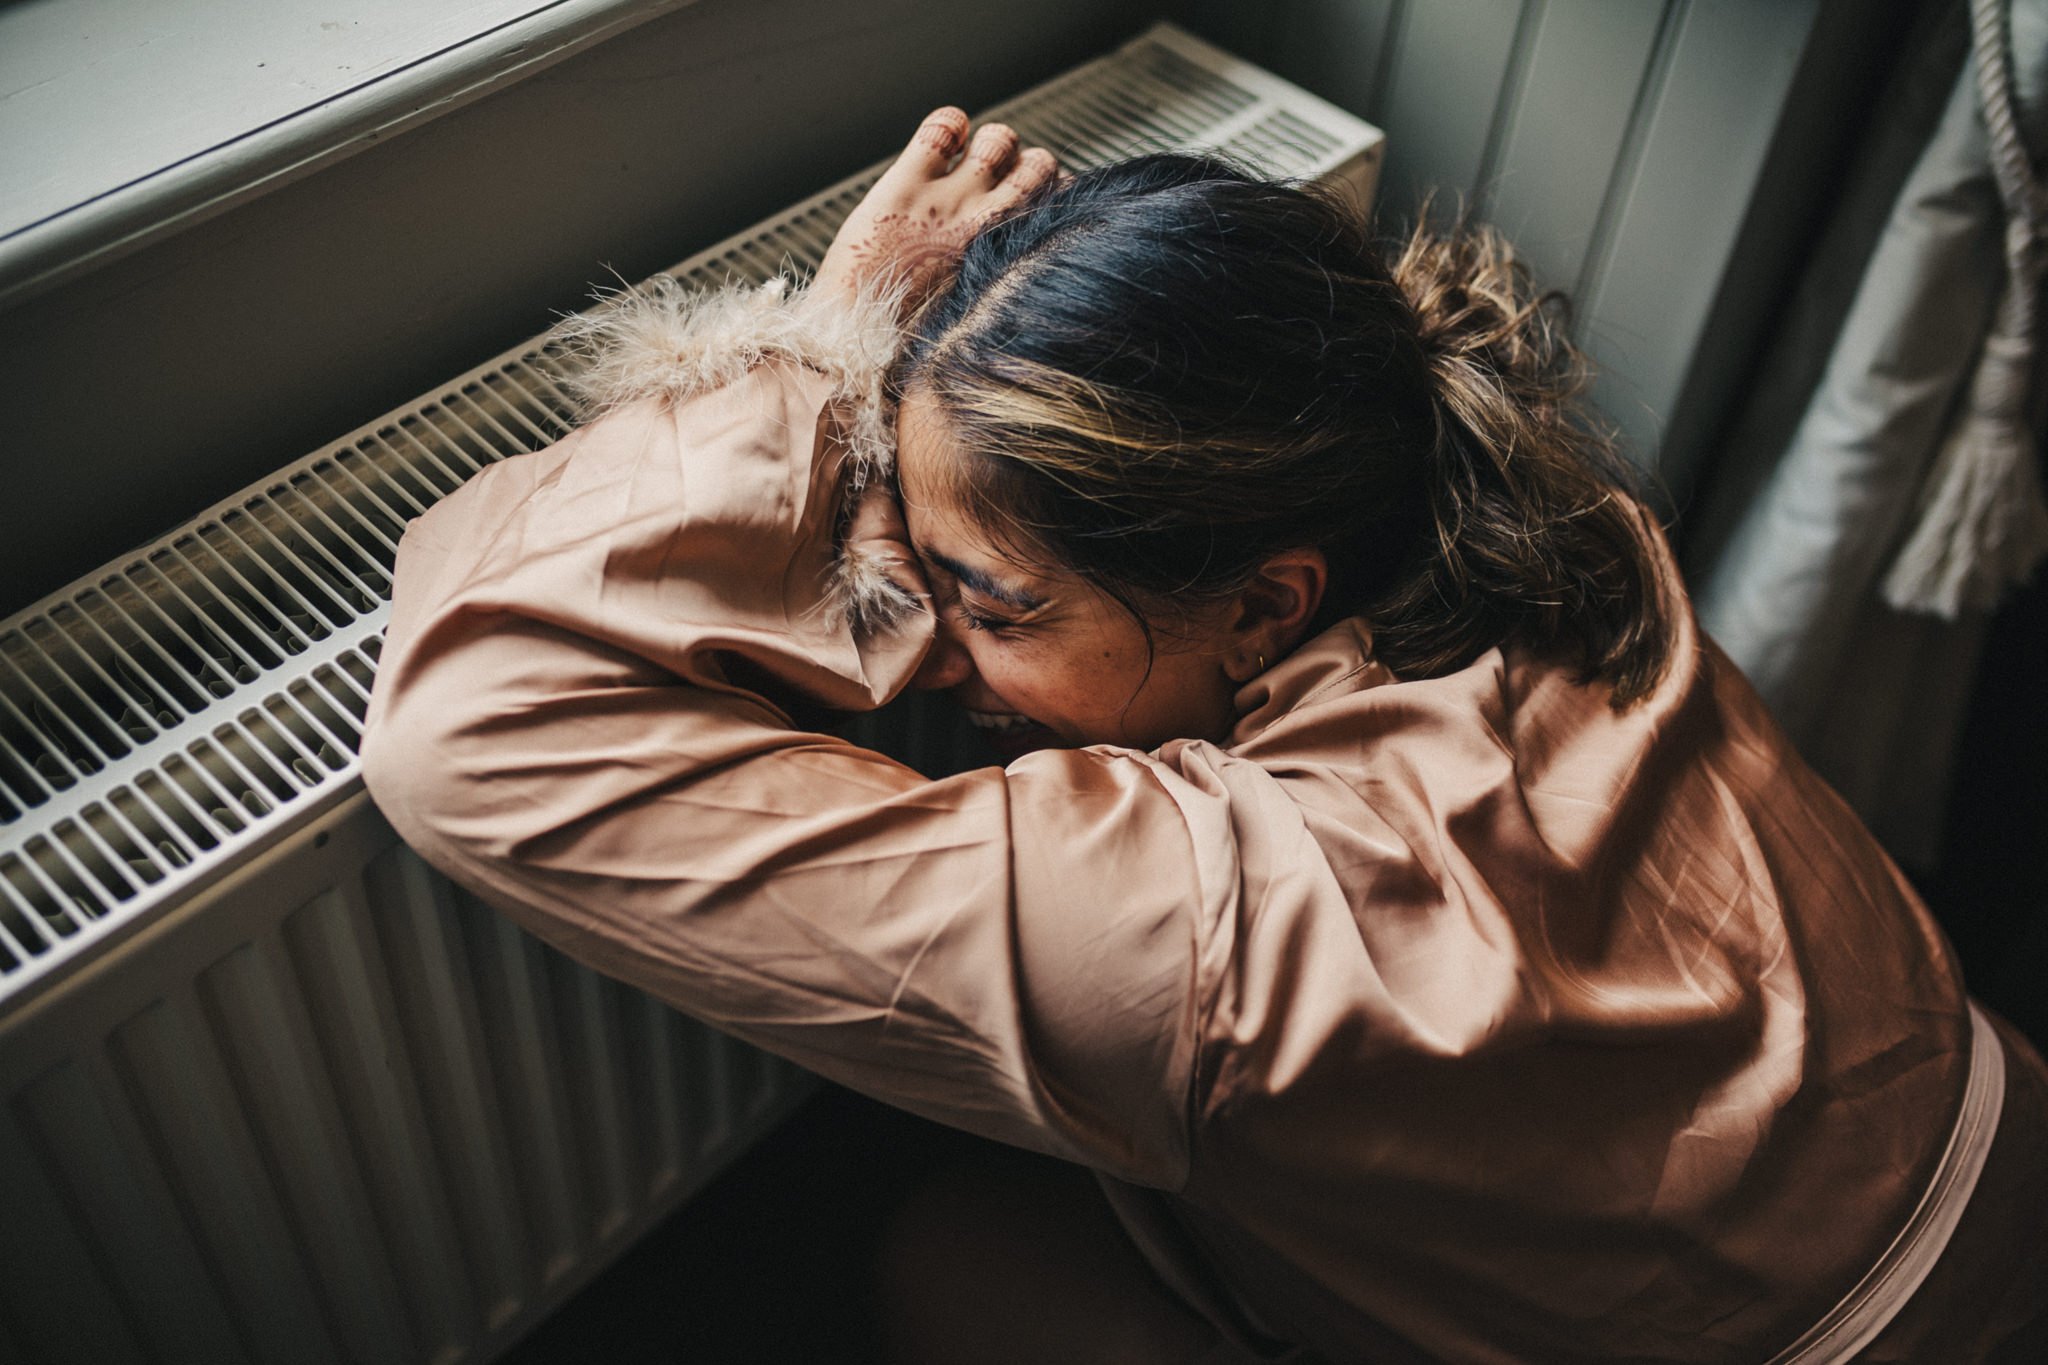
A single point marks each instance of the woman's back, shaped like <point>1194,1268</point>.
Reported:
<point>1544,1014</point>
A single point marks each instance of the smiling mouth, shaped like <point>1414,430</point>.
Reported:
<point>1011,736</point>
<point>999,722</point>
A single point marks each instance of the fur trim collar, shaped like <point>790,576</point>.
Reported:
<point>663,339</point>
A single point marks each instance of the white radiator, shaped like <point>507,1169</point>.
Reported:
<point>274,1091</point>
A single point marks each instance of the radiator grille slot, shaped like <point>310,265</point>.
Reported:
<point>218,789</point>
<point>163,715</point>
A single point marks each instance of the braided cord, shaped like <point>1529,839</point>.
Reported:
<point>2026,200</point>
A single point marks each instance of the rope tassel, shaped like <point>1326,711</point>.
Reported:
<point>1983,524</point>
<point>1983,521</point>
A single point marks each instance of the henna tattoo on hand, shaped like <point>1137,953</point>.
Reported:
<point>920,250</point>
<point>942,131</point>
<point>913,224</point>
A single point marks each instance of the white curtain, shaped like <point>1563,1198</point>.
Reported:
<point>1874,697</point>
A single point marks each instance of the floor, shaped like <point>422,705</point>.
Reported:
<point>767,1265</point>
<point>1991,890</point>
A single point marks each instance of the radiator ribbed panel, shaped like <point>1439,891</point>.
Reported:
<point>383,1127</point>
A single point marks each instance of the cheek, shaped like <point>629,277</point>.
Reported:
<point>1026,675</point>
<point>1056,680</point>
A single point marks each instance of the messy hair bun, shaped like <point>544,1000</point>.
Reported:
<point>1169,369</point>
<point>1529,540</point>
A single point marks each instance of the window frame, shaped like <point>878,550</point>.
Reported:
<point>192,185</point>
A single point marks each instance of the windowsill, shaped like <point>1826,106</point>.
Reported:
<point>118,127</point>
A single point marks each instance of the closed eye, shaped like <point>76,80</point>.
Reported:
<point>982,583</point>
<point>946,588</point>
<point>975,620</point>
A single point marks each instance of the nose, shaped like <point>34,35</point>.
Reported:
<point>948,664</point>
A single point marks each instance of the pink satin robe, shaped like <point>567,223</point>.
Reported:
<point>1461,1018</point>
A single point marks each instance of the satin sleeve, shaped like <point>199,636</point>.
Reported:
<point>578,715</point>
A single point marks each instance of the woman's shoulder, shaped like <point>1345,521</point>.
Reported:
<point>1508,813</point>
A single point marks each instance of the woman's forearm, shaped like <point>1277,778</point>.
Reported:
<point>559,725</point>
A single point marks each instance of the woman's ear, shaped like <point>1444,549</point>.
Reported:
<point>1274,609</point>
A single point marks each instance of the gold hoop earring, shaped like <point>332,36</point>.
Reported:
<point>1262,663</point>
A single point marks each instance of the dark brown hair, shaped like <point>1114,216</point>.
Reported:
<point>1167,370</point>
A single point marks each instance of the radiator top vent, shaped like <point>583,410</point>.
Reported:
<point>165,715</point>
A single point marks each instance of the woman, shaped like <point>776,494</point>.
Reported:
<point>1423,933</point>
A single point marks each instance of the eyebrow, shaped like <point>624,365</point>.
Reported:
<point>983,584</point>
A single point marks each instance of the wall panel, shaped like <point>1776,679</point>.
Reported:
<point>1330,45</point>
<point>1623,144</point>
<point>1692,189</point>
<point>1448,75</point>
<point>1569,119</point>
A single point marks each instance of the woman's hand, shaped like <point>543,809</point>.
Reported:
<point>912,226</point>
